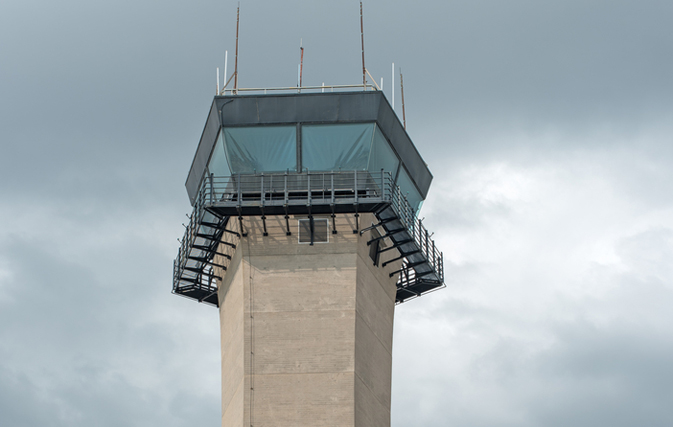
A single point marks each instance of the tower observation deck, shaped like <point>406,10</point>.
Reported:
<point>307,154</point>
<point>305,234</point>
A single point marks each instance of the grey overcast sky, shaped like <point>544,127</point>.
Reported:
<point>548,126</point>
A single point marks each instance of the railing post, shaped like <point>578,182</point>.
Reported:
<point>440,266</point>
<point>427,242</point>
<point>382,175</point>
<point>308,181</point>
<point>417,226</point>
<point>286,192</point>
<point>332,185</point>
<point>212,190</point>
<point>261,192</point>
<point>238,190</point>
<point>355,185</point>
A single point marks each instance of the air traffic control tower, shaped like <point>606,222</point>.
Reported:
<point>305,234</point>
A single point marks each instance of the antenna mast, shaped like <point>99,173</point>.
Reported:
<point>226,53</point>
<point>392,84</point>
<point>362,37</point>
<point>404,117</point>
<point>238,14</point>
<point>301,62</point>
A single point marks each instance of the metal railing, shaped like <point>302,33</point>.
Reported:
<point>420,236</point>
<point>323,88</point>
<point>193,269</point>
<point>272,193</point>
<point>308,188</point>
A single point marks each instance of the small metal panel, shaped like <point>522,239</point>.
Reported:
<point>318,232</point>
<point>240,110</point>
<point>339,107</point>
<point>206,144</point>
<point>274,110</point>
<point>359,107</point>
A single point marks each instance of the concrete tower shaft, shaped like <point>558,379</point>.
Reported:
<point>306,330</point>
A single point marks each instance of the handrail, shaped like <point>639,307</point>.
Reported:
<point>263,191</point>
<point>317,187</point>
<point>364,87</point>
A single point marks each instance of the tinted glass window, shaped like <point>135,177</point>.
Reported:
<point>218,165</point>
<point>261,148</point>
<point>382,155</point>
<point>336,147</point>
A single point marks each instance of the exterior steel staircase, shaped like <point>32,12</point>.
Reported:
<point>222,199</point>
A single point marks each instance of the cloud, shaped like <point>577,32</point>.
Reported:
<point>556,310</point>
<point>546,126</point>
<point>91,334</point>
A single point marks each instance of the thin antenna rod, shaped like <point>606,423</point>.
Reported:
<point>404,117</point>
<point>301,62</point>
<point>238,14</point>
<point>362,37</point>
<point>226,54</point>
<point>381,84</point>
<point>392,83</point>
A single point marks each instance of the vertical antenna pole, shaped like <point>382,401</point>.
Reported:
<point>301,63</point>
<point>381,84</point>
<point>362,37</point>
<point>238,14</point>
<point>225,81</point>
<point>404,117</point>
<point>218,81</point>
<point>392,83</point>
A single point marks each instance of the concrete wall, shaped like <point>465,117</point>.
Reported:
<point>306,330</point>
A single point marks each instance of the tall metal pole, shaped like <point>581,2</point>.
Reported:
<point>238,14</point>
<point>301,63</point>
<point>404,117</point>
<point>225,81</point>
<point>392,83</point>
<point>362,37</point>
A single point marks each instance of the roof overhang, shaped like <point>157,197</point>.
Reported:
<point>309,108</point>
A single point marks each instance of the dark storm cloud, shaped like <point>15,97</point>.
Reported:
<point>81,344</point>
<point>19,397</point>
<point>571,63</point>
<point>605,375</point>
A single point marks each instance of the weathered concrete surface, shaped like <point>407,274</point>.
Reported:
<point>306,330</point>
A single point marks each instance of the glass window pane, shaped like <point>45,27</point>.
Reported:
<point>409,190</point>
<point>336,147</point>
<point>382,155</point>
<point>218,165</point>
<point>261,148</point>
